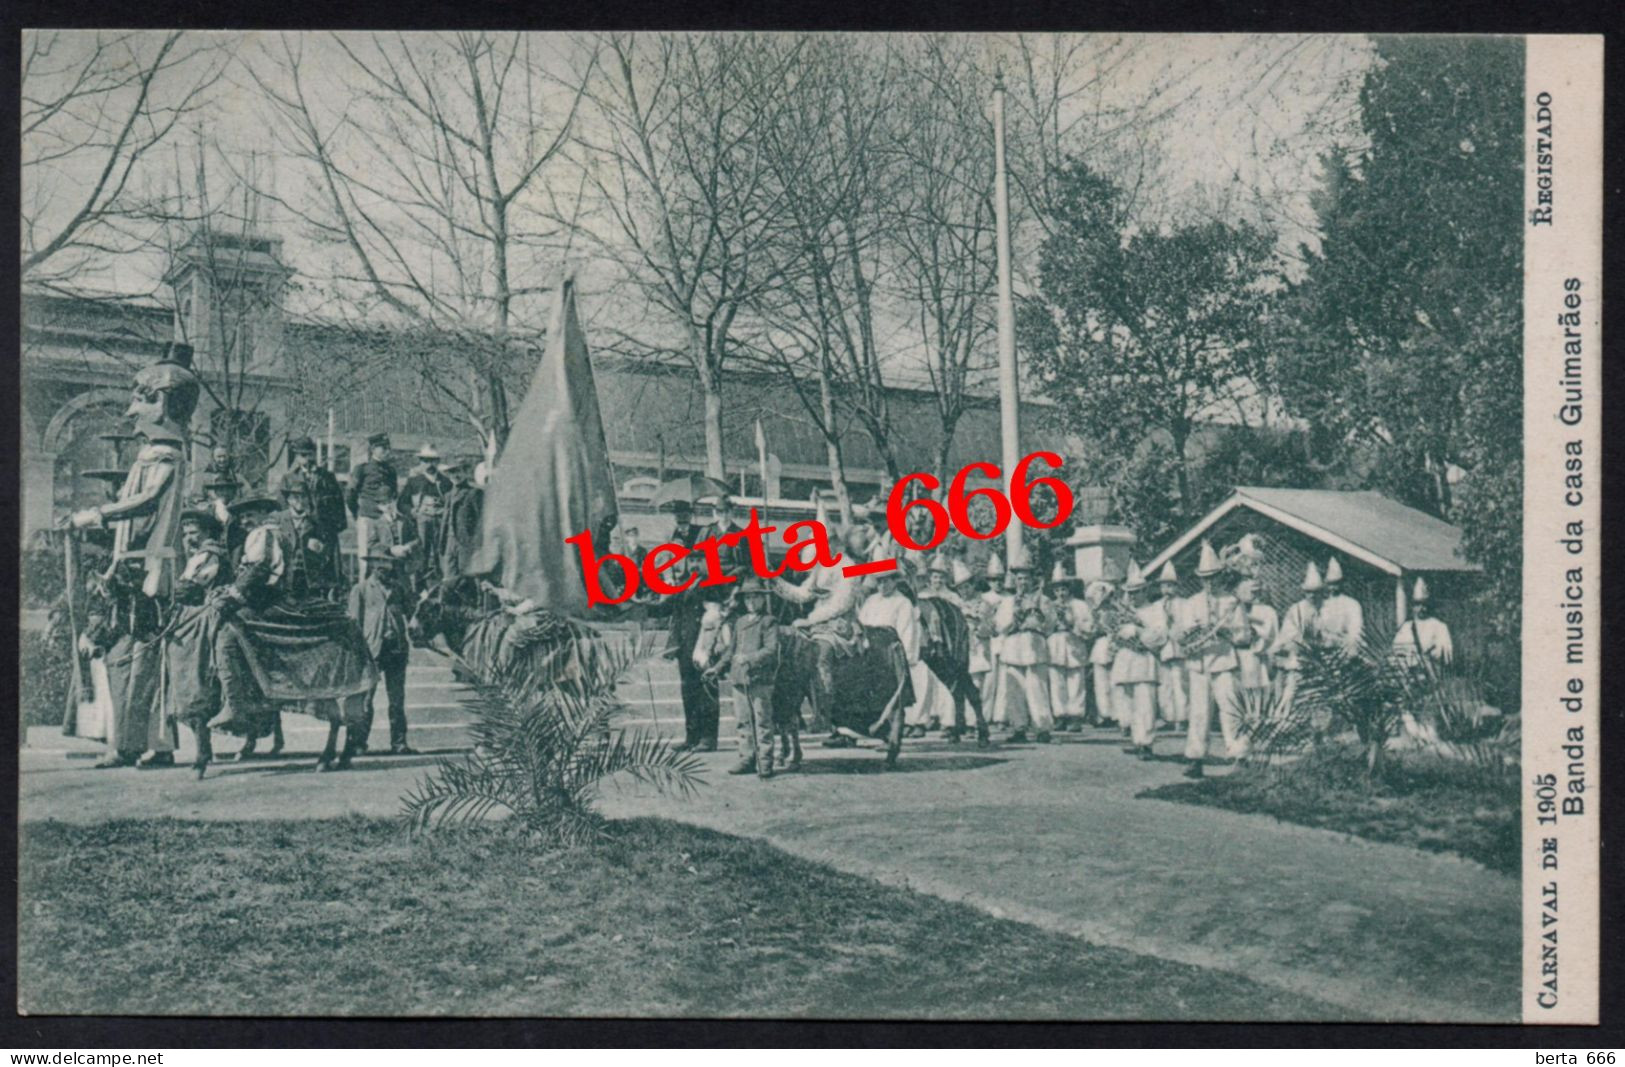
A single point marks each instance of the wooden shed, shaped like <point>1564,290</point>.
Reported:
<point>1382,545</point>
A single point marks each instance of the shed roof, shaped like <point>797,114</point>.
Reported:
<point>1364,524</point>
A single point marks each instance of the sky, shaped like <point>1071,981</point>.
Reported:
<point>1254,115</point>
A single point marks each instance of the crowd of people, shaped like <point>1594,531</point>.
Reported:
<point>261,609</point>
<point>1128,654</point>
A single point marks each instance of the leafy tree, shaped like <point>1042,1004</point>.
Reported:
<point>1146,334</point>
<point>1403,341</point>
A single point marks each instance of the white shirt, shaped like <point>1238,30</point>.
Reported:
<point>898,612</point>
<point>1429,635</point>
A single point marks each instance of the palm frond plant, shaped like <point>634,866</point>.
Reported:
<point>1449,716</point>
<point>545,742</point>
<point>1273,728</point>
<point>1364,690</point>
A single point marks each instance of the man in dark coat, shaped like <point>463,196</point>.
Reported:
<point>700,709</point>
<point>460,519</point>
<point>371,484</point>
<point>327,499</point>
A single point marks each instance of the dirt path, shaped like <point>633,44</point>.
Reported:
<point>1051,835</point>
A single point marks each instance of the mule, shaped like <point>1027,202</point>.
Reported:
<point>872,688</point>
<point>946,650</point>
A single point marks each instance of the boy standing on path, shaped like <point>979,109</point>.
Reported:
<point>378,605</point>
<point>753,662</point>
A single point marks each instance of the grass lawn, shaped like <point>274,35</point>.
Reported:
<point>1421,801</point>
<point>350,917</point>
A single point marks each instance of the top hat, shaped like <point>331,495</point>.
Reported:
<point>376,439</point>
<point>253,504</point>
<point>202,513</point>
<point>179,353</point>
<point>428,451</point>
<point>302,446</point>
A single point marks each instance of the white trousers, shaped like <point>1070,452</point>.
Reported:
<point>1105,696</point>
<point>1171,700</point>
<point>1023,698</point>
<point>1136,704</point>
<point>932,700</point>
<point>1068,692</point>
<point>1210,692</point>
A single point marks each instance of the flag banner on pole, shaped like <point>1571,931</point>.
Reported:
<point>553,477</point>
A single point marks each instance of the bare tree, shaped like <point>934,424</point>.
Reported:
<point>677,189</point>
<point>95,106</point>
<point>831,160</point>
<point>429,155</point>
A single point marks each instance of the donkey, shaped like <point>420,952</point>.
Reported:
<point>872,688</point>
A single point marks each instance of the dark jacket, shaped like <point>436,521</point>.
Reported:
<point>460,529</point>
<point>379,608</point>
<point>328,502</point>
<point>735,560</point>
<point>307,573</point>
<point>756,649</point>
<point>370,485</point>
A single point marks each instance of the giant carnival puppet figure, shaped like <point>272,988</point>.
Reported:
<point>146,523</point>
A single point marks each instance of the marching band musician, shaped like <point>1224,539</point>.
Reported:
<point>1135,665</point>
<point>1172,703</point>
<point>1342,621</point>
<point>1074,622</point>
<point>1299,628</point>
<point>992,595</point>
<point>1423,637</point>
<point>1252,658</point>
<point>1101,653</point>
<point>1023,624</point>
<point>1209,628</point>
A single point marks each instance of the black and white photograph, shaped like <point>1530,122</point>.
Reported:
<point>809,525</point>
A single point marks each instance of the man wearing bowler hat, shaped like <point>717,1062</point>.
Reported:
<point>371,484</point>
<point>327,499</point>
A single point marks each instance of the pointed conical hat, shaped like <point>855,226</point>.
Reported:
<point>1168,574</point>
<point>1334,571</point>
<point>961,573</point>
<point>1311,578</point>
<point>1420,592</point>
<point>940,565</point>
<point>1136,578</point>
<point>1021,561</point>
<point>1059,573</point>
<point>1208,564</point>
<point>995,566</point>
<point>1098,592</point>
<point>1248,545</point>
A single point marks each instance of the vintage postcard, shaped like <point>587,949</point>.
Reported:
<point>810,526</point>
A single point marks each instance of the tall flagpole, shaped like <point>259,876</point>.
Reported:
<point>1009,380</point>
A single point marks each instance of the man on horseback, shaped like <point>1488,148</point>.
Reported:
<point>833,622</point>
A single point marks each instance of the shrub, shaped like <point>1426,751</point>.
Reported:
<point>45,669</point>
<point>543,746</point>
